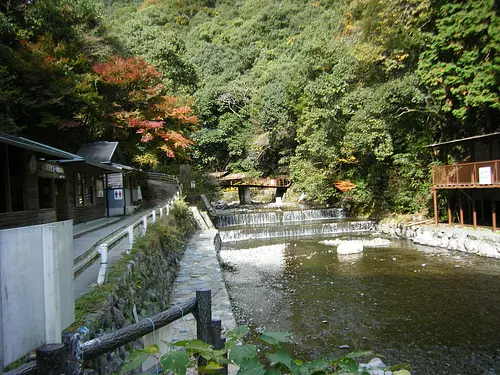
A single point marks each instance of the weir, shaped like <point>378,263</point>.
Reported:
<point>295,230</point>
<point>277,217</point>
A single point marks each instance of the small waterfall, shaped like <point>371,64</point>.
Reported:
<point>277,217</point>
<point>291,231</point>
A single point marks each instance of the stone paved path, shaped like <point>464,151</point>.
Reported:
<point>199,269</point>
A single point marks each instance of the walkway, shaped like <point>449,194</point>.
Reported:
<point>199,269</point>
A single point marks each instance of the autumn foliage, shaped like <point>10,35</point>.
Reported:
<point>137,103</point>
<point>345,185</point>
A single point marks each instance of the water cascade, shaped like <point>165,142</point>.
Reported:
<point>295,230</point>
<point>277,217</point>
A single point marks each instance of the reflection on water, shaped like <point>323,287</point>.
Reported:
<point>435,309</point>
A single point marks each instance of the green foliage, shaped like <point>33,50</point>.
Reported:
<point>326,91</point>
<point>462,64</point>
<point>180,210</point>
<point>272,359</point>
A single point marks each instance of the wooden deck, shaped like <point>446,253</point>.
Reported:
<point>482,175</point>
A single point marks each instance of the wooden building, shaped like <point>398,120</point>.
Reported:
<point>467,185</point>
<point>41,184</point>
<point>122,188</point>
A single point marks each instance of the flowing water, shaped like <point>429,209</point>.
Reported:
<point>435,309</point>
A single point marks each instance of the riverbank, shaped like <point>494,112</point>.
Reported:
<point>482,242</point>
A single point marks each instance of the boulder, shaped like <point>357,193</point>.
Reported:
<point>350,247</point>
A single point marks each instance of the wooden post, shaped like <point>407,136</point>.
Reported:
<point>51,359</point>
<point>434,192</point>
<point>493,214</point>
<point>449,209</point>
<point>204,319</point>
<point>461,211</point>
<point>474,214</point>
<point>73,344</point>
<point>219,342</point>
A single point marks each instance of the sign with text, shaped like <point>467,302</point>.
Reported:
<point>485,175</point>
<point>99,186</point>
<point>118,194</point>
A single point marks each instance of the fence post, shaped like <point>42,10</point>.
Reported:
<point>51,359</point>
<point>144,225</point>
<point>161,211</point>
<point>153,220</point>
<point>219,342</point>
<point>73,343</point>
<point>102,277</point>
<point>167,208</point>
<point>204,319</point>
<point>130,235</point>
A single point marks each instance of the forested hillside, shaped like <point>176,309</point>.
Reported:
<point>341,95</point>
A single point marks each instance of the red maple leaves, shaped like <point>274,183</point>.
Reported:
<point>135,89</point>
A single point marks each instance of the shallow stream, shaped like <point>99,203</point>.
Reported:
<point>435,309</point>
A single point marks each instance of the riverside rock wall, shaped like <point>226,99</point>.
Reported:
<point>485,244</point>
<point>142,290</point>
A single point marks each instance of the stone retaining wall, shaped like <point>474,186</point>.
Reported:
<point>143,290</point>
<point>462,239</point>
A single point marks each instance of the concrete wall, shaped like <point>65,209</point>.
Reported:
<point>36,279</point>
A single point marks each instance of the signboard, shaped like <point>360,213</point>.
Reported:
<point>49,170</point>
<point>118,194</point>
<point>99,186</point>
<point>485,175</point>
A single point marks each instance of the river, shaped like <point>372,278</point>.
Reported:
<point>435,309</point>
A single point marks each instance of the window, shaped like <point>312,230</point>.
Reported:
<point>89,192</point>
<point>84,189</point>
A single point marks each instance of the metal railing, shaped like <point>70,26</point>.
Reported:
<point>67,358</point>
<point>473,175</point>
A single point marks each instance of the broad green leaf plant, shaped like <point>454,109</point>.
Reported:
<point>272,359</point>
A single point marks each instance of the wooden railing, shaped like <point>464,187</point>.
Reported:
<point>257,182</point>
<point>67,358</point>
<point>484,174</point>
<point>162,177</point>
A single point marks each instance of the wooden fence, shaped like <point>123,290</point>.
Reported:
<point>163,177</point>
<point>67,357</point>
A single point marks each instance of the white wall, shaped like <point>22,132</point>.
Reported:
<point>36,280</point>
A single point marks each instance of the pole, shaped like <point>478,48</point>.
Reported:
<point>102,277</point>
<point>51,359</point>
<point>130,237</point>
<point>434,192</point>
<point>493,214</point>
<point>474,214</point>
<point>449,209</point>
<point>203,317</point>
<point>461,210</point>
<point>144,225</point>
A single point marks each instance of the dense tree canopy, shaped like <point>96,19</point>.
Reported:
<point>341,95</point>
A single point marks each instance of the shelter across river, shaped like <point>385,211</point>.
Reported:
<point>468,180</point>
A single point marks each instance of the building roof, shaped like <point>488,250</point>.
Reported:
<point>59,156</point>
<point>468,139</point>
<point>100,152</point>
<point>38,147</point>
